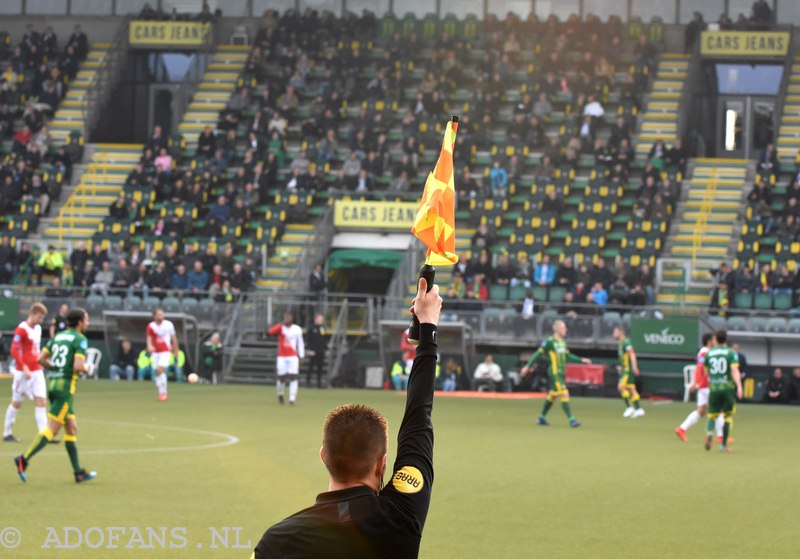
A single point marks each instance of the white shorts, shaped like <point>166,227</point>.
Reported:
<point>702,396</point>
<point>161,360</point>
<point>34,387</point>
<point>288,366</point>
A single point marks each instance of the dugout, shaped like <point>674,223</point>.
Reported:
<point>132,325</point>
<point>455,341</point>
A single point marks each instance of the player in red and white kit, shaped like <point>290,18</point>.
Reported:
<point>700,384</point>
<point>28,375</point>
<point>161,342</point>
<point>409,350</point>
<point>291,349</point>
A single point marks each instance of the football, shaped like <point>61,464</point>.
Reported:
<point>192,378</point>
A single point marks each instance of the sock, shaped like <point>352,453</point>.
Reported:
<point>726,431</point>
<point>161,383</point>
<point>635,399</point>
<point>710,427</point>
<point>566,408</point>
<point>547,405</point>
<point>719,424</point>
<point>293,385</point>
<point>41,417</point>
<point>279,387</point>
<point>41,441</point>
<point>626,397</point>
<point>690,420</point>
<point>11,417</point>
<point>72,450</point>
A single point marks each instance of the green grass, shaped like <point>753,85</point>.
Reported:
<point>504,488</point>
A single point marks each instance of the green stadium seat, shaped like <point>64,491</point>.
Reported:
<point>776,325</point>
<point>757,324</point>
<point>113,302</point>
<point>556,294</point>
<point>782,301</point>
<point>743,300</point>
<point>762,301</point>
<point>498,292</point>
<point>793,326</point>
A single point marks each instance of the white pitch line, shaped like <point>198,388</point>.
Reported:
<point>229,439</point>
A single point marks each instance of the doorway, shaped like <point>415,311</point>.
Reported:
<point>166,105</point>
<point>745,125</point>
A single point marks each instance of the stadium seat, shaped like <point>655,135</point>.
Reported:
<point>95,304</point>
<point>205,308</point>
<point>555,294</point>
<point>757,324</point>
<point>776,325</point>
<point>737,324</point>
<point>717,322</point>
<point>113,302</point>
<point>171,304</point>
<point>132,303</point>
<point>150,303</point>
<point>793,326</point>
<point>498,292</point>
<point>762,301</point>
<point>743,301</point>
<point>547,319</point>
<point>518,293</point>
<point>609,320</point>
<point>782,301</point>
<point>189,305</point>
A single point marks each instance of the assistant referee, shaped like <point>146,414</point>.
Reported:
<point>359,518</point>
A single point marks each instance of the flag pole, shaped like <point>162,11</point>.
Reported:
<point>428,272</point>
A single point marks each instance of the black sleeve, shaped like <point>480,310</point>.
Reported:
<point>412,476</point>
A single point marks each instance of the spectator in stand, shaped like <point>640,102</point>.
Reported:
<point>124,277</point>
<point>7,260</point>
<point>566,274</point>
<point>482,239</point>
<point>782,284</point>
<point>504,271</point>
<point>743,280</point>
<point>158,280</point>
<point>761,191</point>
<point>599,295</point>
<point>220,211</point>
<point>103,279</point>
<point>79,42</point>
<point>552,204</point>
<point>545,273</point>
<point>179,281</point>
<point>765,280</point>
<point>761,14</point>
<point>197,279</point>
<point>125,362</point>
<point>207,142</point>
<point>488,375</point>
<point>50,263</point>
<point>164,160</point>
<point>498,180</point>
<point>119,207</point>
<point>768,161</point>
<point>775,392</point>
<point>693,31</point>
<point>240,280</point>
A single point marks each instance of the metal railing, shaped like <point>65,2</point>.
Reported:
<point>338,343</point>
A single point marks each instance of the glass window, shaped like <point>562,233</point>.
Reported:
<point>419,9</point>
<point>90,7</point>
<point>235,8</point>
<point>46,7</point>
<point>744,79</point>
<point>789,12</point>
<point>501,8</point>
<point>280,6</point>
<point>462,8</point>
<point>605,8</point>
<point>736,7</point>
<point>11,7</point>
<point>647,10</point>
<point>334,6</point>
<point>562,8</point>
<point>129,7</point>
<point>711,10</point>
<point>378,7</point>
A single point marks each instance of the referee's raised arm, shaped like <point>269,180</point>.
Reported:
<point>412,475</point>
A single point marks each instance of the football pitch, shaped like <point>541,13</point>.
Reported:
<point>205,473</point>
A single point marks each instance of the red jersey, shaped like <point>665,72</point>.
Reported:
<point>25,347</point>
<point>409,350</point>
<point>160,335</point>
<point>700,376</point>
<point>290,340</point>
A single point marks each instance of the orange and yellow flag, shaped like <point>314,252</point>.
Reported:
<point>435,224</point>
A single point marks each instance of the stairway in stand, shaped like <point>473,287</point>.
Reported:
<point>660,117</point>
<point>704,228</point>
<point>283,260</point>
<point>82,214</point>
<point>69,115</point>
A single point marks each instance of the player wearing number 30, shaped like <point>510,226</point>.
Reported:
<point>64,356</point>
<point>722,365</point>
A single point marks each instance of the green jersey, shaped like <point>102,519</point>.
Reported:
<point>555,349</point>
<point>625,347</point>
<point>62,350</point>
<point>718,363</point>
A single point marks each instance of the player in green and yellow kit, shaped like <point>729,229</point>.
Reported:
<point>628,371</point>
<point>555,349</point>
<point>721,364</point>
<point>64,356</point>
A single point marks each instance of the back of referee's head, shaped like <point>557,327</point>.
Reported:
<point>354,443</point>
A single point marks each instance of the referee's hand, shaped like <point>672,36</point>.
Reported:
<point>427,304</point>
